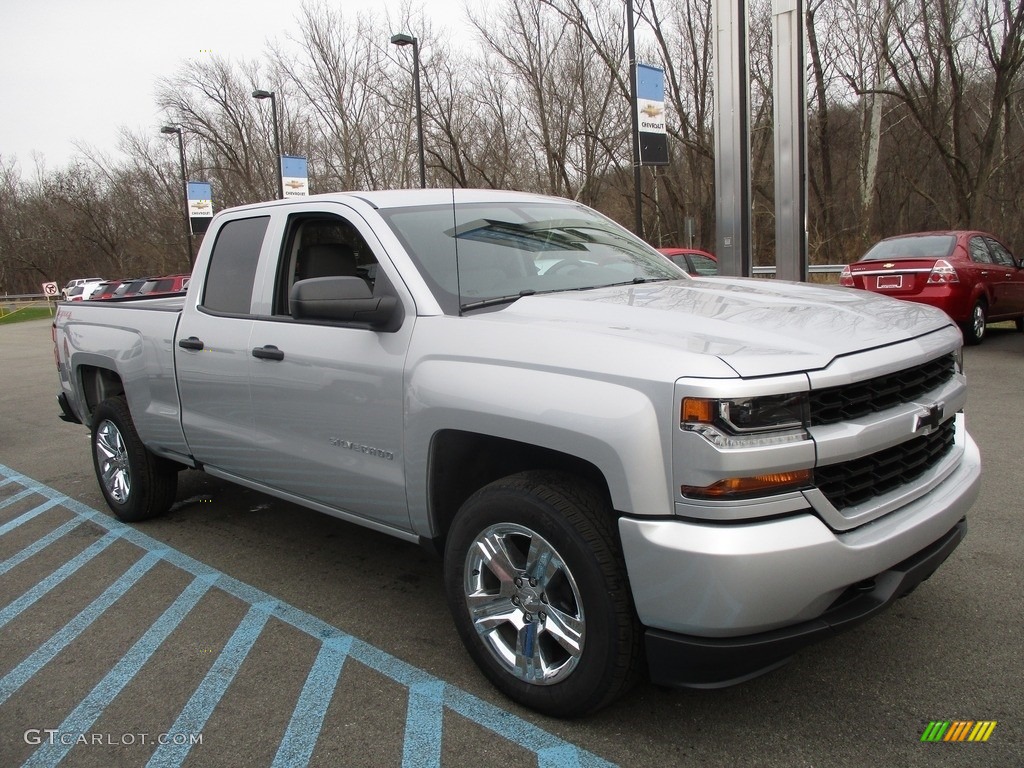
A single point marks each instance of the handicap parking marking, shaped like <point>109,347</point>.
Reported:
<point>429,698</point>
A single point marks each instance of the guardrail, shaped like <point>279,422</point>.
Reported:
<point>812,269</point>
<point>12,297</point>
<point>12,304</point>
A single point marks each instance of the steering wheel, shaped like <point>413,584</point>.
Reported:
<point>564,264</point>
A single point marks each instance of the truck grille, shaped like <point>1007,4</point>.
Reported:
<point>856,481</point>
<point>836,404</point>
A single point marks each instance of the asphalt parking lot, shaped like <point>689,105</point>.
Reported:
<point>240,630</point>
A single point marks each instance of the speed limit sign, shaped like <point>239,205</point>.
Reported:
<point>50,289</point>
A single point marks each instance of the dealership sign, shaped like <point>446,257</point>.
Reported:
<point>200,205</point>
<point>650,107</point>
<point>294,176</point>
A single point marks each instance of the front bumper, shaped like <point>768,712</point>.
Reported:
<point>703,662</point>
<point>726,601</point>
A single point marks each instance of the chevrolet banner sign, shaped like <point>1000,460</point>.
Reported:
<point>294,176</point>
<point>650,106</point>
<point>200,206</point>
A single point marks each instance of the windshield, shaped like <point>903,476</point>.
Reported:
<point>488,254</point>
<point>921,247</point>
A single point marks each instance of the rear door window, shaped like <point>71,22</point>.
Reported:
<point>979,251</point>
<point>999,254</point>
<point>232,269</point>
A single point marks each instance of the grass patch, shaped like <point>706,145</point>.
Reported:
<point>28,313</point>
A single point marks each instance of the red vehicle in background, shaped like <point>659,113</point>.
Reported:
<point>168,284</point>
<point>142,286</point>
<point>970,275</point>
<point>698,263</point>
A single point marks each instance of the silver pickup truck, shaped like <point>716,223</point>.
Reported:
<point>624,467</point>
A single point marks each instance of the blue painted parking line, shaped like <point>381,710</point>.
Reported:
<point>43,655</point>
<point>92,706</point>
<point>39,545</point>
<point>428,697</point>
<point>13,609</point>
<point>308,717</point>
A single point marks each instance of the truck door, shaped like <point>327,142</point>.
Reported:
<point>328,397</point>
<point>212,352</point>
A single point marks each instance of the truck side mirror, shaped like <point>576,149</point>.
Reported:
<point>342,299</point>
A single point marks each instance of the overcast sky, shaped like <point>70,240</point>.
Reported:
<point>80,70</point>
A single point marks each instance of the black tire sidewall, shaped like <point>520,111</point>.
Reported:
<point>594,680</point>
<point>152,483</point>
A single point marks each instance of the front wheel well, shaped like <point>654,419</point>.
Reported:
<point>463,462</point>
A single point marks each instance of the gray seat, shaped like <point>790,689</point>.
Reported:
<point>326,260</point>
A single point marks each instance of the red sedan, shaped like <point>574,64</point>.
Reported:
<point>698,263</point>
<point>970,275</point>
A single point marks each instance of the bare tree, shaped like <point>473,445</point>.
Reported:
<point>954,65</point>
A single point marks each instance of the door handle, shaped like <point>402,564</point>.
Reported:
<point>191,343</point>
<point>268,352</point>
<point>984,273</point>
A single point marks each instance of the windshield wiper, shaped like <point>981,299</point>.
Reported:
<point>496,300</point>
<point>634,281</point>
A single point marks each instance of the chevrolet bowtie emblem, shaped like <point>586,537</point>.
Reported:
<point>888,265</point>
<point>930,420</point>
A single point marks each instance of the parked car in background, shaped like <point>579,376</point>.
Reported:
<point>83,291</point>
<point>970,275</point>
<point>698,263</point>
<point>78,281</point>
<point>166,284</point>
<point>105,290</point>
<point>130,287</point>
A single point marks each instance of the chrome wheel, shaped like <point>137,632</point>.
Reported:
<point>978,321</point>
<point>524,604</point>
<point>112,462</point>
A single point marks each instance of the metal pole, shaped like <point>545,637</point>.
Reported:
<point>184,191</point>
<point>635,122</point>
<point>184,188</point>
<point>419,110</point>
<point>261,94</point>
<point>732,138</point>
<point>277,147</point>
<point>790,113</point>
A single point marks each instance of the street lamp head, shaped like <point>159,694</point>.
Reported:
<point>258,94</point>
<point>403,39</point>
<point>170,129</point>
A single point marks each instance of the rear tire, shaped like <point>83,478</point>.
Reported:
<point>537,586</point>
<point>136,484</point>
<point>974,329</point>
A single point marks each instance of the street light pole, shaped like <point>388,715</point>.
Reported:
<point>402,40</point>
<point>277,137</point>
<point>169,129</point>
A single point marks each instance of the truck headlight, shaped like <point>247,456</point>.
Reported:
<point>746,422</point>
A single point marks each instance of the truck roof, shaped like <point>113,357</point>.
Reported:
<point>397,198</point>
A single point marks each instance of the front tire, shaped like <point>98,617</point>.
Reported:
<point>537,586</point>
<point>974,330</point>
<point>136,484</point>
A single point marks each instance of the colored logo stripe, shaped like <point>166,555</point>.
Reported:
<point>958,730</point>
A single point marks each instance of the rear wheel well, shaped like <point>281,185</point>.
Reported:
<point>463,462</point>
<point>98,384</point>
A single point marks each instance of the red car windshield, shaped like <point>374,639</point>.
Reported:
<point>923,247</point>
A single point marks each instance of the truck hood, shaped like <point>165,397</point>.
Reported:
<point>756,327</point>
